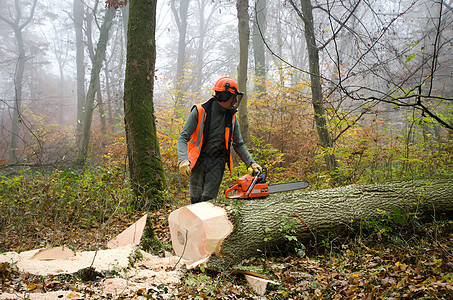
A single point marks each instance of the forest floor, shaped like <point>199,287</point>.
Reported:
<point>383,261</point>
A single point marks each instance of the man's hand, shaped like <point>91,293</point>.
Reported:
<point>184,168</point>
<point>255,168</point>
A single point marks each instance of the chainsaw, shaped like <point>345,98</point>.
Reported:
<point>255,186</point>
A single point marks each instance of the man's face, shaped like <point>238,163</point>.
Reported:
<point>230,103</point>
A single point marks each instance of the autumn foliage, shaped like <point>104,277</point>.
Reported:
<point>115,3</point>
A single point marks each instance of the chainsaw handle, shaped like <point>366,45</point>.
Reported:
<point>252,185</point>
<point>236,188</point>
<point>264,174</point>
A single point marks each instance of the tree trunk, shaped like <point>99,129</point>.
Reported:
<point>145,164</point>
<point>18,80</point>
<point>279,43</point>
<point>258,224</point>
<point>101,109</point>
<point>244,35</point>
<point>80,66</point>
<point>316,88</point>
<point>94,83</point>
<point>181,22</point>
<point>200,48</point>
<point>108,94</point>
<point>17,27</point>
<point>259,31</point>
<point>205,22</point>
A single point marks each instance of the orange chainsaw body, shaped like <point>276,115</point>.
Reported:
<point>244,188</point>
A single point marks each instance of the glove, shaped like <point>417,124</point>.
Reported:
<point>255,168</point>
<point>184,168</point>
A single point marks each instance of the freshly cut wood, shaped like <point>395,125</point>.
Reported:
<point>258,284</point>
<point>258,224</point>
<point>131,235</point>
<point>198,230</point>
<point>54,253</point>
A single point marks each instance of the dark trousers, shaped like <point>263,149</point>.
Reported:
<point>206,178</point>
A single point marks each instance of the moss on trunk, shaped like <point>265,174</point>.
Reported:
<point>146,170</point>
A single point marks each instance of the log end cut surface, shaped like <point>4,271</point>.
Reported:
<point>198,230</point>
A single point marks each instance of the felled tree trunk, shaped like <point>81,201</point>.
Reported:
<point>317,213</point>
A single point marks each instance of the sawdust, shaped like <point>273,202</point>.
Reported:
<point>150,273</point>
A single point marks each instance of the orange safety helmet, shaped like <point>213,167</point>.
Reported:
<point>227,84</point>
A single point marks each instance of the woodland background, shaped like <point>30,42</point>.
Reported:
<point>385,81</point>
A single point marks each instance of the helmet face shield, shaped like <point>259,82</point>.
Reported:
<point>237,101</point>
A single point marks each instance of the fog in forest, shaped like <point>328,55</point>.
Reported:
<point>383,65</point>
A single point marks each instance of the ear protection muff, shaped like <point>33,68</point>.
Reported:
<point>223,96</point>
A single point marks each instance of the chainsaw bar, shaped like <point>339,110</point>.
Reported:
<point>255,186</point>
<point>286,187</point>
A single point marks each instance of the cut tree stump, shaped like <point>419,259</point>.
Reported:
<point>201,232</point>
<point>198,230</point>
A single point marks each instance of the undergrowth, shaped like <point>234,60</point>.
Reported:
<point>37,206</point>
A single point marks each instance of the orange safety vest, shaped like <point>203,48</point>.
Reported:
<point>195,143</point>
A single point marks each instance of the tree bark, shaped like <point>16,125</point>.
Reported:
<point>318,213</point>
<point>145,164</point>
<point>244,36</point>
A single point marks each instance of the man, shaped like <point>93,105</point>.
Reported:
<point>204,145</point>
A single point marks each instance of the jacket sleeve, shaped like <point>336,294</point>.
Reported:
<point>186,133</point>
<point>239,146</point>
